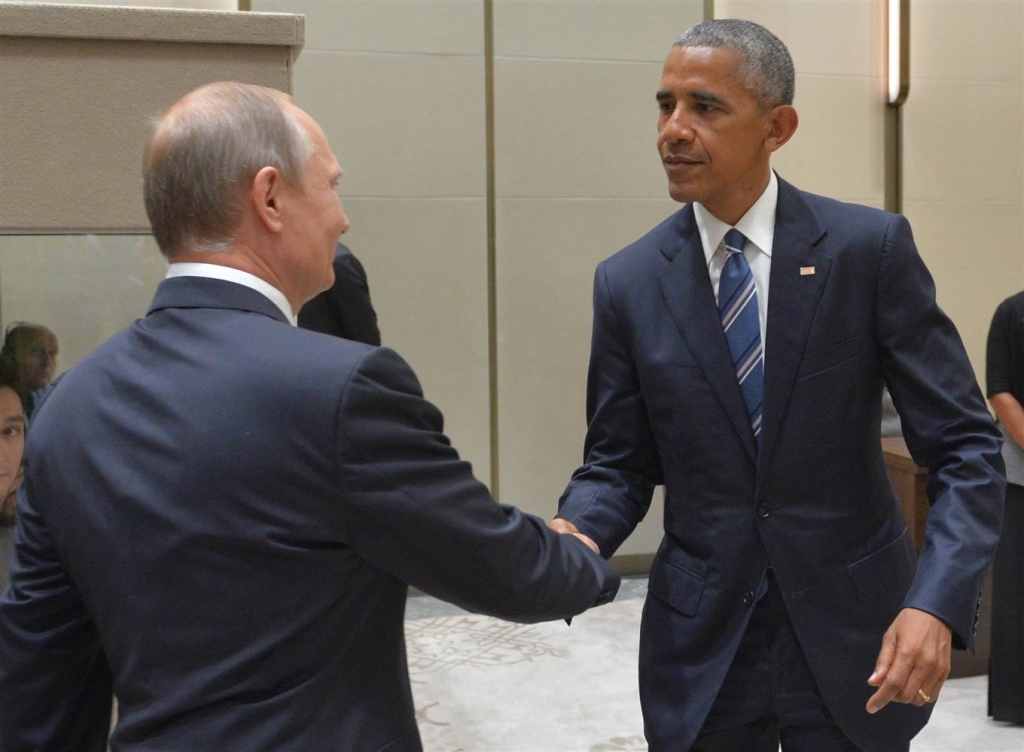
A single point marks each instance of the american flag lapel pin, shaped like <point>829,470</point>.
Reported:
<point>806,271</point>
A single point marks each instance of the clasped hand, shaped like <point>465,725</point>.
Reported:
<point>567,528</point>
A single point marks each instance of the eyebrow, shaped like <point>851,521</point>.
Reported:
<point>701,96</point>
<point>706,96</point>
<point>12,419</point>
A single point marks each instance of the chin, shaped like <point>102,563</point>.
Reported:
<point>680,194</point>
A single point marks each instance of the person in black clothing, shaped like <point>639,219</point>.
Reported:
<point>12,447</point>
<point>344,310</point>
<point>1005,391</point>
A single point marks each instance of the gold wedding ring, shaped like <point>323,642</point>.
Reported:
<point>924,697</point>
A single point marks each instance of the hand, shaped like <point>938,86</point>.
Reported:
<point>915,656</point>
<point>567,528</point>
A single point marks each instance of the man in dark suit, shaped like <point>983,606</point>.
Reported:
<point>785,602</point>
<point>344,309</point>
<point>221,512</point>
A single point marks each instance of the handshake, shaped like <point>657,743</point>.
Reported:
<point>567,528</point>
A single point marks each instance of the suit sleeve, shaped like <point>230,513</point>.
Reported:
<point>414,509</point>
<point>55,686</point>
<point>948,430</point>
<point>610,493</point>
<point>349,300</point>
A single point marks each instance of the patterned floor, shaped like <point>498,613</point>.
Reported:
<point>484,685</point>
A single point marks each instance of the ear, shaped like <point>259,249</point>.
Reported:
<point>267,188</point>
<point>782,126</point>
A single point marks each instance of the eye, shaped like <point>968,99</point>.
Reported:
<point>666,107</point>
<point>12,432</point>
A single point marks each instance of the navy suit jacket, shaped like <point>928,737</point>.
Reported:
<point>219,519</point>
<point>815,502</point>
<point>344,309</point>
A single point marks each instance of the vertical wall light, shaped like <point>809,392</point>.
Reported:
<point>897,65</point>
<point>898,50</point>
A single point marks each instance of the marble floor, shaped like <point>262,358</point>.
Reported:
<point>484,685</point>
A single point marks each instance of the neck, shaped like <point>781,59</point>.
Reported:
<point>732,210</point>
<point>244,259</point>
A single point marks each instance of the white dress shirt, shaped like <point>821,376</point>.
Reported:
<point>758,226</point>
<point>228,274</point>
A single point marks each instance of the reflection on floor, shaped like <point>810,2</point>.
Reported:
<point>486,685</point>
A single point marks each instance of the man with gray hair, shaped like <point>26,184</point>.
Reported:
<point>221,513</point>
<point>786,602</point>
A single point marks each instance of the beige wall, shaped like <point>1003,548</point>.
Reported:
<point>79,86</point>
<point>964,156</point>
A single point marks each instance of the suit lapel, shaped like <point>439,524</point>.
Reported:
<point>686,289</point>
<point>792,300</point>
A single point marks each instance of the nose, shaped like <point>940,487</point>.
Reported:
<point>677,127</point>
<point>345,224</point>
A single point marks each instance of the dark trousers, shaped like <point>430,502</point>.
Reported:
<point>769,695</point>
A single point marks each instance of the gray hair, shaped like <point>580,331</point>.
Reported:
<point>202,158</point>
<point>765,67</point>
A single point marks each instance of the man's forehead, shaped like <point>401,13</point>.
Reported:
<point>10,406</point>
<point>705,73</point>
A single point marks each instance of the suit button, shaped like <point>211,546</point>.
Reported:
<point>748,598</point>
<point>763,511</point>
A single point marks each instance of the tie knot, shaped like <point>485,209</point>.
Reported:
<point>735,241</point>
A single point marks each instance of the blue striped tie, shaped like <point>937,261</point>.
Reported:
<point>737,307</point>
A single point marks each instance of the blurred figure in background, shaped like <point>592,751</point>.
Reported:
<point>33,349</point>
<point>12,446</point>
<point>344,310</point>
<point>1005,391</point>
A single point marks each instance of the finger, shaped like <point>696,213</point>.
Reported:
<point>931,667</point>
<point>590,543</point>
<point>562,526</point>
<point>895,680</point>
<point>933,686</point>
<point>919,679</point>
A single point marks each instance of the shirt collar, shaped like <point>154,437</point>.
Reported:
<point>229,274</point>
<point>757,225</point>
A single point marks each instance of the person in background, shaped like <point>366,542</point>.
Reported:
<point>1005,389</point>
<point>12,447</point>
<point>33,349</point>
<point>344,310</point>
<point>785,603</point>
<point>221,513</point>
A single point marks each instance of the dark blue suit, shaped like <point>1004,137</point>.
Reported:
<point>815,501</point>
<point>220,516</point>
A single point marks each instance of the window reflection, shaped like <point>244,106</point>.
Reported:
<point>82,288</point>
